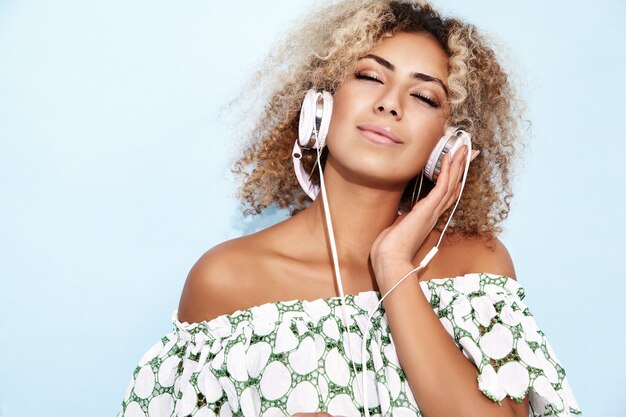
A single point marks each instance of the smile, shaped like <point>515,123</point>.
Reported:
<point>376,137</point>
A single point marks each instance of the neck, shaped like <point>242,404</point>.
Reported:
<point>359,213</point>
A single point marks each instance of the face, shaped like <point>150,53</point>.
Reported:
<point>399,90</point>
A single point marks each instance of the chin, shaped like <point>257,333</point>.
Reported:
<point>374,172</point>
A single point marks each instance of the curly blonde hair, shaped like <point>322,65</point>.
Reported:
<point>320,52</point>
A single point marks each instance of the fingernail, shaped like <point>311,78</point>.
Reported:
<point>460,153</point>
<point>474,154</point>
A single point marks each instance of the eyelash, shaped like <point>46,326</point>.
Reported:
<point>432,102</point>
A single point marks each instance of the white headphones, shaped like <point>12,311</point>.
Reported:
<point>314,122</point>
<point>315,116</point>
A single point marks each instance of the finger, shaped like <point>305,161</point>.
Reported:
<point>462,162</point>
<point>457,193</point>
<point>452,198</point>
<point>434,197</point>
<point>455,171</point>
<point>448,185</point>
<point>457,166</point>
<point>447,181</point>
<point>431,207</point>
<point>443,181</point>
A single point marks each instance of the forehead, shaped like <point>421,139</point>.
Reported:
<point>414,52</point>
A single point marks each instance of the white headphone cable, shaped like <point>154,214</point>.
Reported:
<point>418,191</point>
<point>333,248</point>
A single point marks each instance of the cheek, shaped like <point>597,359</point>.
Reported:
<point>343,120</point>
<point>343,103</point>
<point>412,160</point>
<point>421,146</point>
<point>426,128</point>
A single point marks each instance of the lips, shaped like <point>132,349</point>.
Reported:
<point>379,134</point>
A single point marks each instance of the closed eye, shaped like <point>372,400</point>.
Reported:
<point>363,76</point>
<point>431,102</point>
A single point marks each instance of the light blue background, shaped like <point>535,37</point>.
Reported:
<point>114,180</point>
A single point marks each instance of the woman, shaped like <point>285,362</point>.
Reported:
<point>260,329</point>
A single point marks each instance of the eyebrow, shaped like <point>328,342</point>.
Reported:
<point>417,75</point>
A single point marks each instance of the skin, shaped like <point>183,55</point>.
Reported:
<point>376,246</point>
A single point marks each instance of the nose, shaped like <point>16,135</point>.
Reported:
<point>389,103</point>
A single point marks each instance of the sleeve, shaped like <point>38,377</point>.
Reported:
<point>497,332</point>
<point>174,377</point>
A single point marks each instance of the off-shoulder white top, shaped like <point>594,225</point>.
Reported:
<point>281,358</point>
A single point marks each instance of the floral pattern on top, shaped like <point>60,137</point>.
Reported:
<point>282,358</point>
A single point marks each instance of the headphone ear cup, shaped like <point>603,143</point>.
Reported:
<point>315,114</point>
<point>461,138</point>
<point>303,177</point>
<point>452,139</point>
<point>327,110</point>
<point>315,117</point>
<point>307,118</point>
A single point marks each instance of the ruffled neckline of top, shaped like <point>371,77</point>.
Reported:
<point>221,325</point>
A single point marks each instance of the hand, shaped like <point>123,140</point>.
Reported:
<point>399,242</point>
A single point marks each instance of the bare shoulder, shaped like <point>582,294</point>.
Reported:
<point>459,255</point>
<point>219,274</point>
<point>489,256</point>
<point>242,273</point>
